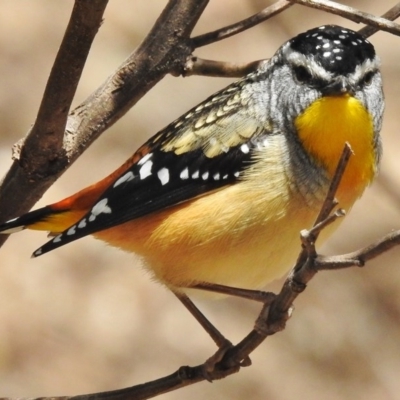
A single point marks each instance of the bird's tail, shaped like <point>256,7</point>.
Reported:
<point>46,218</point>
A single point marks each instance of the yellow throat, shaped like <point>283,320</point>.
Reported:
<point>323,129</point>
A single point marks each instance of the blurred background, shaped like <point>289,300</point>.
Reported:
<point>87,318</point>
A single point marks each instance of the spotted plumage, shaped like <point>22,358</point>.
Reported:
<point>336,49</point>
<point>220,194</point>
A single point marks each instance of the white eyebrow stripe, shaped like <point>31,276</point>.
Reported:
<point>367,66</point>
<point>299,59</point>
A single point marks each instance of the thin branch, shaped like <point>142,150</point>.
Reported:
<point>359,257</point>
<point>198,66</point>
<point>234,29</point>
<point>352,14</point>
<point>330,201</point>
<point>43,156</point>
<point>43,147</point>
<point>391,15</point>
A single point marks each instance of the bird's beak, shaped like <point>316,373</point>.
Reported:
<point>338,87</point>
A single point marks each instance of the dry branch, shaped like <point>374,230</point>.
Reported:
<point>352,14</point>
<point>42,157</point>
<point>234,29</point>
<point>166,49</point>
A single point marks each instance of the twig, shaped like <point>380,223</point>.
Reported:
<point>352,14</point>
<point>199,66</point>
<point>359,257</point>
<point>330,201</point>
<point>43,156</point>
<point>228,31</point>
<point>391,15</point>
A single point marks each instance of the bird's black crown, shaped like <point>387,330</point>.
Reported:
<point>339,50</point>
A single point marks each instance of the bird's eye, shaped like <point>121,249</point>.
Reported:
<point>302,74</point>
<point>367,79</point>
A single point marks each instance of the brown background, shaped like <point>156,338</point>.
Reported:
<point>86,318</point>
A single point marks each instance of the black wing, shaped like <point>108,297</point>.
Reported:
<point>205,149</point>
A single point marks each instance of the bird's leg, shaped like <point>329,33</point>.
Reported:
<point>215,334</point>
<point>223,344</point>
<point>256,295</point>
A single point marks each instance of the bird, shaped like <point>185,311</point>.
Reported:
<point>216,200</point>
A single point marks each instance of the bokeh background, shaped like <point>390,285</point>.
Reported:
<point>87,318</point>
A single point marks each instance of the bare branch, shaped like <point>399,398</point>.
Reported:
<point>391,15</point>
<point>359,257</point>
<point>234,29</point>
<point>352,14</point>
<point>43,157</point>
<point>198,66</point>
<point>330,201</point>
<point>43,145</point>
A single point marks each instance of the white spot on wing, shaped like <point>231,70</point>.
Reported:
<point>144,159</point>
<point>82,224</point>
<point>71,231</point>
<point>216,176</point>
<point>205,176</point>
<point>327,54</point>
<point>184,174</point>
<point>163,176</point>
<point>244,148</point>
<point>37,253</point>
<point>100,208</point>
<point>124,178</point>
<point>236,174</point>
<point>145,170</point>
<point>195,174</point>
<point>57,239</point>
